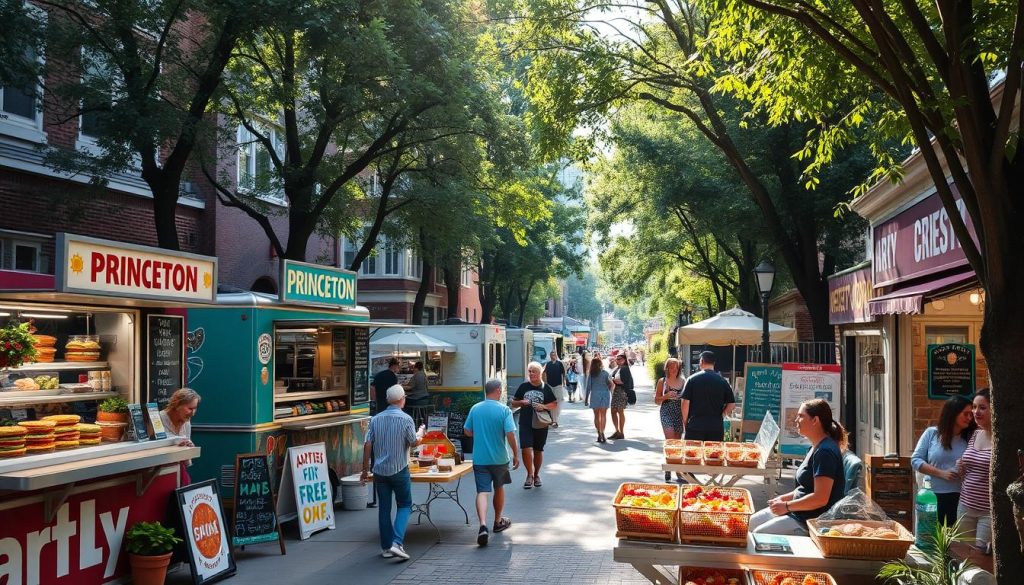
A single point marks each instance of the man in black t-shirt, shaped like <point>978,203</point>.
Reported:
<point>383,380</point>
<point>707,397</point>
<point>554,376</point>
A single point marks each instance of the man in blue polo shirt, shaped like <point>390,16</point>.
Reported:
<point>493,430</point>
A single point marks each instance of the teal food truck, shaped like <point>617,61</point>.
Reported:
<point>279,371</point>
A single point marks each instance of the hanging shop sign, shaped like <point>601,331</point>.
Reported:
<point>102,267</point>
<point>950,370</point>
<point>848,296</point>
<point>313,284</point>
<point>305,491</point>
<point>918,242</point>
<point>762,393</point>
<point>802,382</point>
<point>206,535</point>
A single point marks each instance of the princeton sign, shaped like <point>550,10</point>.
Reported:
<point>313,284</point>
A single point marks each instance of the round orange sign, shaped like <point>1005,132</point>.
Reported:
<point>206,531</point>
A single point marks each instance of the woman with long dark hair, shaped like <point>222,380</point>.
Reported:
<point>598,395</point>
<point>939,449</point>
<point>820,481</point>
<point>975,511</point>
<point>667,393</point>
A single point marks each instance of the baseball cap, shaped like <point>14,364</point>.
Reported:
<point>396,393</point>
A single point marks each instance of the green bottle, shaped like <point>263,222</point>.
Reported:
<point>927,506</point>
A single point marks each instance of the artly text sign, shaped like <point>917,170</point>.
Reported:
<point>305,489</point>
<point>94,266</point>
<point>848,296</point>
<point>312,284</point>
<point>950,370</point>
<point>802,382</point>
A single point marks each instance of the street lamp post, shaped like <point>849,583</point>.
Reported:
<point>765,275</point>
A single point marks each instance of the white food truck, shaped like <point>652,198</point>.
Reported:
<point>520,353</point>
<point>480,355</point>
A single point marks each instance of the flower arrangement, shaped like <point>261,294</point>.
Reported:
<point>16,345</point>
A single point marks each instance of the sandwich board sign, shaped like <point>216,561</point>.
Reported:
<point>206,534</point>
<point>305,491</point>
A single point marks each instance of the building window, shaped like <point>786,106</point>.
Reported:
<point>26,256</point>
<point>413,266</point>
<point>392,260</point>
<point>466,280</point>
<point>97,103</point>
<point>256,172</point>
<point>439,277</point>
<point>467,314</point>
<point>20,116</point>
<point>946,334</point>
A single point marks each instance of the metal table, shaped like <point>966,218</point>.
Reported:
<point>725,476</point>
<point>651,559</point>
<point>438,491</point>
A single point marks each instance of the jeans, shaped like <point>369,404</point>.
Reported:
<point>400,485</point>
<point>766,522</point>
<point>976,523</point>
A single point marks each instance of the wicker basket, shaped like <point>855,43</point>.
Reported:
<point>725,528</point>
<point>760,577</point>
<point>692,443</point>
<point>859,547</point>
<point>674,443</point>
<point>701,574</point>
<point>645,523</point>
<point>674,455</point>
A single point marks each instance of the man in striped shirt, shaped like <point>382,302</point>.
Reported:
<point>392,433</point>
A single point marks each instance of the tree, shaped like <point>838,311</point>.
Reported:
<point>655,56</point>
<point>581,297</point>
<point>949,74</point>
<point>145,75</point>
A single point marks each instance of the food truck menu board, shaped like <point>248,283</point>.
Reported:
<point>360,365</point>
<point>166,371</point>
<point>762,393</point>
<point>255,514</point>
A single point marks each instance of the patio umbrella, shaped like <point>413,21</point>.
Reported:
<point>410,340</point>
<point>733,327</point>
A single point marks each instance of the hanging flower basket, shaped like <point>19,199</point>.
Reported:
<point>16,345</point>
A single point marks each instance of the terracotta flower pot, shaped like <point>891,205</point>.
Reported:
<point>149,570</point>
<point>111,432</point>
<point>111,416</point>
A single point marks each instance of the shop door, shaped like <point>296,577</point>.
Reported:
<point>871,398</point>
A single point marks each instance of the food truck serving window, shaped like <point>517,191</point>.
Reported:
<point>312,370</point>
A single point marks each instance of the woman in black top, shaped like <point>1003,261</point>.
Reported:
<point>623,379</point>
<point>534,394</point>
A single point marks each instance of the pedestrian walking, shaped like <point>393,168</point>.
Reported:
<point>623,379</point>
<point>383,380</point>
<point>974,510</point>
<point>533,395</point>
<point>554,376</point>
<point>668,392</point>
<point>572,378</point>
<point>599,395</point>
<point>388,440</point>
<point>494,433</point>
<point>707,398</point>
<point>939,450</point>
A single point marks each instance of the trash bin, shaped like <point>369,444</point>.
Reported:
<point>354,494</point>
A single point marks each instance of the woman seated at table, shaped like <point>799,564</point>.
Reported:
<point>820,481</point>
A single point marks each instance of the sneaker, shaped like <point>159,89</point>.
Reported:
<point>481,537</point>
<point>398,551</point>
<point>668,476</point>
<point>387,554</point>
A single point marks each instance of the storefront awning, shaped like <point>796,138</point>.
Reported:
<point>909,300</point>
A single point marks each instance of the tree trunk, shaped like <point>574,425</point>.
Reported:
<point>421,297</point>
<point>165,207</point>
<point>453,286</point>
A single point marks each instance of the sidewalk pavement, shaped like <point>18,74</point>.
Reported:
<point>562,532</point>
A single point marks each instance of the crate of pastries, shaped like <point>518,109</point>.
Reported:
<point>708,576</point>
<point>869,540</point>
<point>673,450</point>
<point>714,515</point>
<point>762,577</point>
<point>742,455</point>
<point>647,511</point>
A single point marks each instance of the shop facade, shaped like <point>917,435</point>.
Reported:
<point>924,314</point>
<point>107,325</point>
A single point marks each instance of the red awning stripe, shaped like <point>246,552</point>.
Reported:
<point>909,300</point>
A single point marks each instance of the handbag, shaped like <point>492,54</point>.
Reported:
<point>542,419</point>
<point>630,396</point>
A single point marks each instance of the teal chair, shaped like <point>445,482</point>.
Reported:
<point>853,467</point>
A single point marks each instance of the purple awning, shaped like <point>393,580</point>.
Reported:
<point>910,299</point>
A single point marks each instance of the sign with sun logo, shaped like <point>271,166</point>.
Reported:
<point>103,267</point>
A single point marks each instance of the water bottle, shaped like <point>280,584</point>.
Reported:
<point>927,506</point>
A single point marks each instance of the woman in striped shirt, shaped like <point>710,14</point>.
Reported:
<point>975,466</point>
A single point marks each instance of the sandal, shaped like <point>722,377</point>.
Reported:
<point>536,481</point>
<point>502,524</point>
<point>528,484</point>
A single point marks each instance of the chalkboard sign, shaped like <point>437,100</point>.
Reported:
<point>166,364</point>
<point>360,365</point>
<point>455,422</point>
<point>762,392</point>
<point>255,506</point>
<point>950,370</point>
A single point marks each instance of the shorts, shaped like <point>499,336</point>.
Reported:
<point>488,475</point>
<point>531,438</point>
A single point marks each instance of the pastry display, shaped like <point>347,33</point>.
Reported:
<point>702,576</point>
<point>26,384</point>
<point>82,348</point>
<point>45,350</point>
<point>859,530</point>
<point>66,433</point>
<point>12,441</point>
<point>88,434</point>
<point>790,578</point>
<point>40,437</point>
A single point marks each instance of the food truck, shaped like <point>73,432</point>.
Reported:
<point>480,355</point>
<point>277,371</point>
<point>519,344</point>
<point>546,342</point>
<point>107,325</point>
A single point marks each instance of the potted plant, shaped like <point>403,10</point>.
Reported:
<point>936,565</point>
<point>149,546</point>
<point>16,345</point>
<point>113,409</point>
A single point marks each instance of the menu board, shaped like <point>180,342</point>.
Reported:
<point>255,514</point>
<point>950,370</point>
<point>156,424</point>
<point>456,420</point>
<point>762,392</point>
<point>206,536</point>
<point>802,382</point>
<point>137,424</point>
<point>165,371</point>
<point>360,365</point>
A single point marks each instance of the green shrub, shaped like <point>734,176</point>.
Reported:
<point>656,358</point>
<point>150,539</point>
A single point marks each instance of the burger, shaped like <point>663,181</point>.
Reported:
<point>12,441</point>
<point>40,437</point>
<point>82,350</point>
<point>88,434</point>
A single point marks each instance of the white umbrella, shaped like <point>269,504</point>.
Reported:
<point>409,340</point>
<point>733,327</point>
